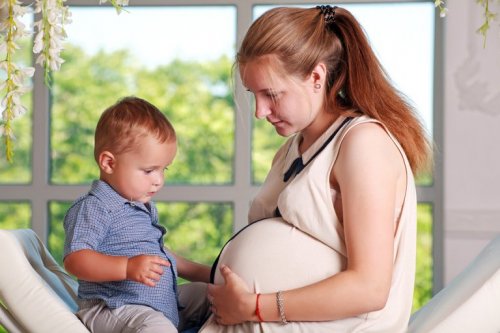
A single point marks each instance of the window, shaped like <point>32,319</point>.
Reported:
<point>179,56</point>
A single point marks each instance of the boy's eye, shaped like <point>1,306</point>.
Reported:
<point>148,171</point>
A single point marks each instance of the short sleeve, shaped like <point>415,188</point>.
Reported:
<point>85,225</point>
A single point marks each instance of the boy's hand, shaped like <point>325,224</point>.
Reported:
<point>146,269</point>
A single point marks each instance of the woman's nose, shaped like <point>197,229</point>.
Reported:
<point>262,110</point>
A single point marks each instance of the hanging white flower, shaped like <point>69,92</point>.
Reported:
<point>21,75</point>
<point>48,44</point>
<point>14,85</point>
<point>7,132</point>
<point>50,34</point>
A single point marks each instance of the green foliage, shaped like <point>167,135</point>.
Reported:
<point>57,210</point>
<point>441,6</point>
<point>84,87</point>
<point>198,101</point>
<point>423,277</point>
<point>196,231</point>
<point>15,215</point>
<point>194,96</point>
<point>18,171</point>
<point>424,178</point>
<point>265,143</point>
<point>488,17</point>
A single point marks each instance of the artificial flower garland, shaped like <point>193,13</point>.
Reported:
<point>50,34</point>
<point>48,44</point>
<point>11,30</point>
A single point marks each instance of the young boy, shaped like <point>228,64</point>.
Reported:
<point>114,242</point>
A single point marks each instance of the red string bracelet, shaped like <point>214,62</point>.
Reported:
<point>257,309</point>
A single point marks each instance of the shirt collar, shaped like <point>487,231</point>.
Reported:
<point>114,201</point>
<point>294,152</point>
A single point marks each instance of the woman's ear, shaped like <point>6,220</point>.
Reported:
<point>318,75</point>
<point>106,162</point>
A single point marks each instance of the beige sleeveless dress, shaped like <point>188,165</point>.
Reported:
<point>307,243</point>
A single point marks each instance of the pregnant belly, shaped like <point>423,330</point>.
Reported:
<point>272,255</point>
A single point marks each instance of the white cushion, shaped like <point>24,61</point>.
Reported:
<point>38,296</point>
<point>469,303</point>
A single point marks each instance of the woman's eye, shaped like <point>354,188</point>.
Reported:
<point>274,96</point>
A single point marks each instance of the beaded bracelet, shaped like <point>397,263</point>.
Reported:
<point>281,307</point>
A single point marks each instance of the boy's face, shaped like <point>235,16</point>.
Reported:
<point>138,175</point>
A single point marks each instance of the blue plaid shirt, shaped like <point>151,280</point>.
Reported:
<point>105,222</point>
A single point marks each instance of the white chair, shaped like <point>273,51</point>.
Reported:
<point>469,303</point>
<point>36,294</point>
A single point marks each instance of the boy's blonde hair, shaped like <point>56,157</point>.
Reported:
<point>123,123</point>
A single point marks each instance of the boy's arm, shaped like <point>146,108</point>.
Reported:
<point>93,266</point>
<point>192,271</point>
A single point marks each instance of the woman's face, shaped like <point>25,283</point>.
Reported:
<point>290,104</point>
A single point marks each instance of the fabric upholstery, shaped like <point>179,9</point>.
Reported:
<point>37,295</point>
<point>469,303</point>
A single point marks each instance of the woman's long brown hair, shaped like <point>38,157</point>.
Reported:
<point>300,39</point>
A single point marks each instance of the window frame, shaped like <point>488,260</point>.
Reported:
<point>40,192</point>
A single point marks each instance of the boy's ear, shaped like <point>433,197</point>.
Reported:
<point>106,162</point>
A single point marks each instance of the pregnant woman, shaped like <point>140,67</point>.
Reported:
<point>330,245</point>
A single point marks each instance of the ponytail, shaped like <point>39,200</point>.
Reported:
<point>356,83</point>
<point>366,87</point>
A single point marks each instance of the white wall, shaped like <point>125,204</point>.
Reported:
<point>471,151</point>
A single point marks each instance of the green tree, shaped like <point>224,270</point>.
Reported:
<point>15,215</point>
<point>265,143</point>
<point>423,275</point>
<point>194,96</point>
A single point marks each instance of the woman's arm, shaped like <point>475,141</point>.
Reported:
<point>93,266</point>
<point>192,271</point>
<point>369,173</point>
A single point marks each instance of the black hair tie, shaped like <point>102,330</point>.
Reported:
<point>328,12</point>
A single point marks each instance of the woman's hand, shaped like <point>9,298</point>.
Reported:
<point>231,303</point>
